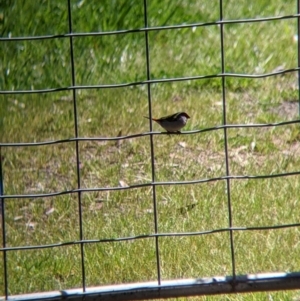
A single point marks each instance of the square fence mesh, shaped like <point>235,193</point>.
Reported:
<point>154,232</point>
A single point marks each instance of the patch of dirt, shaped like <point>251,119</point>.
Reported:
<point>288,109</point>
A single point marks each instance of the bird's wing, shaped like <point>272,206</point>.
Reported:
<point>171,117</point>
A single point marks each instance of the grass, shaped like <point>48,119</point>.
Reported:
<point>249,48</point>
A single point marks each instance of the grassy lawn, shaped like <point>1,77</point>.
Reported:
<point>249,48</point>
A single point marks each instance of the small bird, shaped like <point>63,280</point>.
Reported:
<point>172,123</point>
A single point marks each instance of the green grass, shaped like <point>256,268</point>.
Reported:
<point>249,48</point>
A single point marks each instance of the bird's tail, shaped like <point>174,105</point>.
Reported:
<point>154,119</point>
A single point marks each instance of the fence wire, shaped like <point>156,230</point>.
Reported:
<point>158,289</point>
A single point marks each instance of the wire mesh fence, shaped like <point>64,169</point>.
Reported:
<point>159,287</point>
